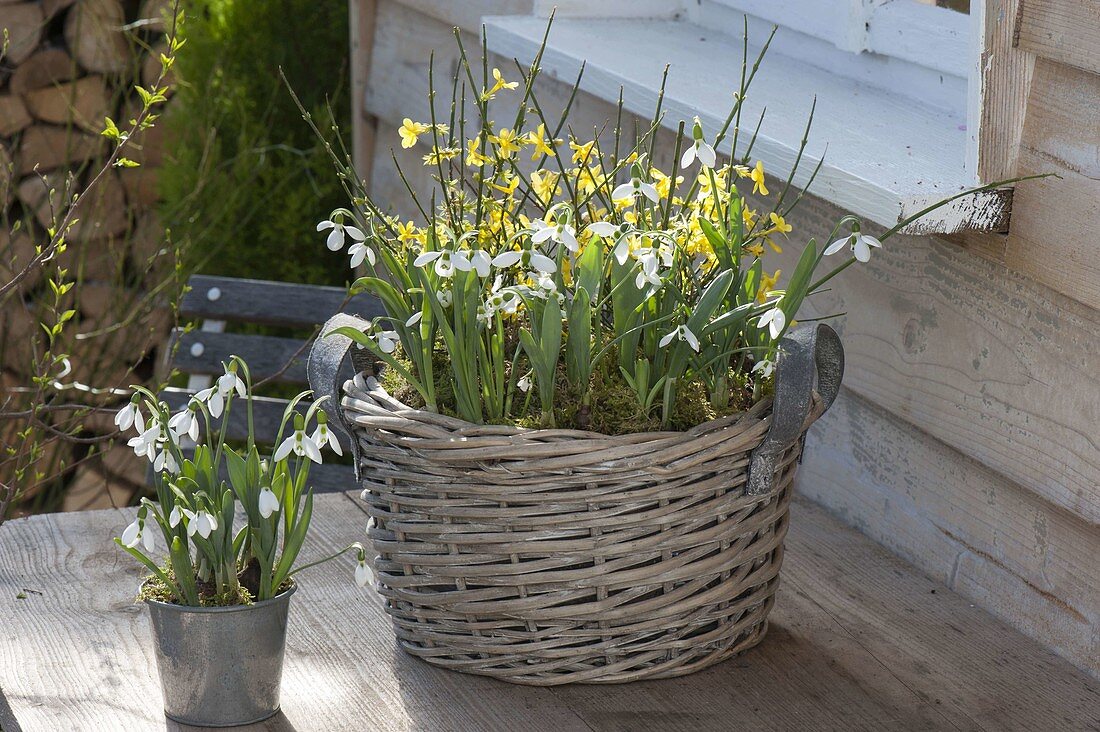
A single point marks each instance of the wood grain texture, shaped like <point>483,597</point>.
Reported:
<point>858,641</point>
<point>1067,31</point>
<point>361,16</point>
<point>985,537</point>
<point>1005,78</point>
<point>1052,237</point>
<point>269,303</point>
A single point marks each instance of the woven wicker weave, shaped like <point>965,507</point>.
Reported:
<point>554,556</point>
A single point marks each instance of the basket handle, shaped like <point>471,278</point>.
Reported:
<point>326,361</point>
<point>804,351</point>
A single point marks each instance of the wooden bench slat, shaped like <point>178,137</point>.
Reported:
<point>203,352</point>
<point>270,303</point>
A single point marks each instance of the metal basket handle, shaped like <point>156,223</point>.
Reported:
<point>325,369</point>
<point>805,351</point>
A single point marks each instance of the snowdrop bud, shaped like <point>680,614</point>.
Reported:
<point>268,502</point>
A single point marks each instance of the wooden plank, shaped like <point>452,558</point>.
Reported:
<point>202,352</point>
<point>270,303</point>
<point>361,16</point>
<point>857,641</point>
<point>1052,236</point>
<point>1005,77</point>
<point>467,14</point>
<point>993,542</point>
<point>1067,31</point>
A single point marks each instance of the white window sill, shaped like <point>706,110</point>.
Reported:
<point>888,157</point>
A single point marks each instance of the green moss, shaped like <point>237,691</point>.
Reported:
<point>153,588</point>
<point>612,407</point>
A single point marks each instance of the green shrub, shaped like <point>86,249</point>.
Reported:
<point>245,179</point>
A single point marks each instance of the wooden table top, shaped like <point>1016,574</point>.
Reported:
<point>858,640</point>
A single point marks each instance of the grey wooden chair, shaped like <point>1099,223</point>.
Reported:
<point>221,303</point>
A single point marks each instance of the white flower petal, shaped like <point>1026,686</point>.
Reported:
<point>355,233</point>
<point>626,190</point>
<point>425,258</point>
<point>312,451</point>
<point>362,574</point>
<point>706,155</point>
<point>543,263</point>
<point>268,502</point>
<point>650,191</point>
<point>688,336</point>
<point>542,235</point>
<point>861,251</point>
<point>284,449</point>
<point>837,245</point>
<point>131,535</point>
<point>507,259</point>
<point>666,339</point>
<point>688,157</point>
<point>335,241</point>
<point>148,540</point>
<point>325,225</point>
<point>602,228</point>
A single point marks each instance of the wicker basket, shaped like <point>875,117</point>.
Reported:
<point>555,556</point>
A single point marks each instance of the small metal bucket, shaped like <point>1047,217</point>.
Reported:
<point>221,666</point>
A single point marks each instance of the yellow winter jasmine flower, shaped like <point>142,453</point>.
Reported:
<point>756,249</point>
<point>779,225</point>
<point>748,217</point>
<point>510,184</point>
<point>767,283</point>
<point>410,131</point>
<point>581,152</point>
<point>545,185</point>
<point>439,154</point>
<point>757,175</point>
<point>474,158</point>
<point>507,142</point>
<point>542,146</point>
<point>499,84</point>
<point>663,182</point>
<point>406,233</point>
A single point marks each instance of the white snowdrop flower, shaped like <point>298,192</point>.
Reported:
<point>632,188</point>
<point>230,382</point>
<point>481,262</point>
<point>135,534</point>
<point>446,262</point>
<point>175,517</point>
<point>360,251</point>
<point>202,523</point>
<point>649,276</point>
<point>563,234</point>
<point>301,444</point>
<point>128,415</point>
<point>145,443</point>
<point>184,423</point>
<point>764,368</point>
<point>362,572</point>
<point>323,436</point>
<point>528,258</point>
<point>213,399</point>
<point>387,340</point>
<point>335,241</point>
<point>164,461</point>
<point>414,318</point>
<point>860,244</point>
<point>605,229</point>
<point>699,149</point>
<point>268,502</point>
<point>775,320</point>
<point>444,297</point>
<point>683,333</point>
<point>524,384</point>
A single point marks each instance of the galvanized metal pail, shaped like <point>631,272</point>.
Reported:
<point>220,666</point>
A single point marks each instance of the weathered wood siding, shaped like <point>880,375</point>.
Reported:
<point>964,439</point>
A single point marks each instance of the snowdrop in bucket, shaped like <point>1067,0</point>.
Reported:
<point>219,600</point>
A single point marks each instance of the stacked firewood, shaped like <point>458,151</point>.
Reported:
<point>67,65</point>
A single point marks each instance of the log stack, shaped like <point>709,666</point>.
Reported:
<point>68,64</point>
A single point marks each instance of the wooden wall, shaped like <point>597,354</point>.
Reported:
<point>965,437</point>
